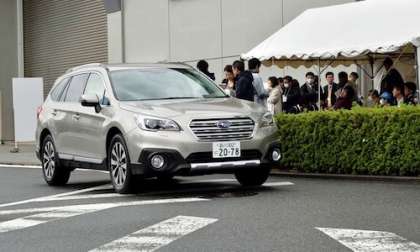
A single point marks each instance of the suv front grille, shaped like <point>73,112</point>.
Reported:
<point>210,130</point>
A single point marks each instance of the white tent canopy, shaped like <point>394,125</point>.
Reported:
<point>344,33</point>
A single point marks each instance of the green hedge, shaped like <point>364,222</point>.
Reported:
<point>378,141</point>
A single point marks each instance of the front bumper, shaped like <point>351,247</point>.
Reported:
<point>184,155</point>
<point>199,163</point>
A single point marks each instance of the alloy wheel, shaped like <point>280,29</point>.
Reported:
<point>118,164</point>
<point>48,160</point>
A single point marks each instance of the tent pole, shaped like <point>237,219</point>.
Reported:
<point>372,76</point>
<point>319,84</point>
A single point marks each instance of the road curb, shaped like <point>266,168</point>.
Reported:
<point>295,174</point>
<point>21,164</point>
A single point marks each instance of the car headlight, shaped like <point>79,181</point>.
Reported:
<point>156,124</point>
<point>267,120</point>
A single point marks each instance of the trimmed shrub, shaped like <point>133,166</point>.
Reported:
<point>376,141</point>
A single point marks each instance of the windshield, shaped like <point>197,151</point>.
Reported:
<point>162,83</point>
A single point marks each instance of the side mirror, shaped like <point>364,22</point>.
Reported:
<point>91,100</point>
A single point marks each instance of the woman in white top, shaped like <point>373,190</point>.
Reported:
<point>274,101</point>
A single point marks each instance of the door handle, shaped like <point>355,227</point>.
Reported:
<point>54,113</point>
<point>76,117</point>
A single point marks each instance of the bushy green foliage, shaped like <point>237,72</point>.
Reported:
<point>377,141</point>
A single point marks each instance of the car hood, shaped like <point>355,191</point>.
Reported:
<point>196,108</point>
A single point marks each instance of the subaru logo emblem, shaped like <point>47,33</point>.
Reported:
<point>223,124</point>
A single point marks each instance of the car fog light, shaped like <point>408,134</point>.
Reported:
<point>157,161</point>
<point>276,155</point>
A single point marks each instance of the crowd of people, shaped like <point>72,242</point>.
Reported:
<point>285,94</point>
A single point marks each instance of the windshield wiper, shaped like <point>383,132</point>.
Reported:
<point>185,97</point>
<point>169,98</point>
<point>209,96</point>
<point>174,98</point>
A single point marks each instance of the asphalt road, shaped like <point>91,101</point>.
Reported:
<point>210,213</point>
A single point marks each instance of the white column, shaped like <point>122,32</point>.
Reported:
<point>115,37</point>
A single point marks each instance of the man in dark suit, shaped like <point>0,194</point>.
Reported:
<point>244,87</point>
<point>309,92</point>
<point>392,77</point>
<point>329,92</point>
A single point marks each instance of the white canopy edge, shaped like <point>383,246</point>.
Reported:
<point>344,34</point>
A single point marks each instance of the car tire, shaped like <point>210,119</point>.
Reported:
<point>254,176</point>
<point>119,166</point>
<point>54,173</point>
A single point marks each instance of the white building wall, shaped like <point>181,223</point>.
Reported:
<point>146,30</point>
<point>194,29</point>
<point>215,30</point>
<point>115,53</point>
<point>248,22</point>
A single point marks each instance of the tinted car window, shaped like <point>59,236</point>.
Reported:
<point>76,86</point>
<point>95,86</point>
<point>58,90</point>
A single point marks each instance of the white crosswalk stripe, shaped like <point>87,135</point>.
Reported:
<point>42,215</point>
<point>158,235</point>
<point>50,197</point>
<point>41,218</point>
<point>77,195</point>
<point>370,241</point>
<point>55,213</point>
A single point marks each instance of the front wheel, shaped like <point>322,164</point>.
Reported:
<point>119,166</point>
<point>253,176</point>
<point>54,173</point>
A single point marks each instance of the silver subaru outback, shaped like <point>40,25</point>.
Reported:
<point>155,120</point>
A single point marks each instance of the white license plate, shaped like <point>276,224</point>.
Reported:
<point>226,149</point>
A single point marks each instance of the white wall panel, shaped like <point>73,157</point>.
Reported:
<point>195,29</point>
<point>146,30</point>
<point>293,8</point>
<point>246,23</point>
<point>189,30</point>
<point>114,37</point>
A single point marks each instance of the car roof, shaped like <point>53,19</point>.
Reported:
<point>114,67</point>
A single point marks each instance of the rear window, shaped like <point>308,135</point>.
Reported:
<point>76,87</point>
<point>58,90</point>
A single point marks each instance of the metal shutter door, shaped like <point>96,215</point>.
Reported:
<point>59,34</point>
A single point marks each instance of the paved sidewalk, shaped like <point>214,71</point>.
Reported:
<point>25,156</point>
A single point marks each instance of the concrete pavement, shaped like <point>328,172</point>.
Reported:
<point>25,156</point>
<point>210,213</point>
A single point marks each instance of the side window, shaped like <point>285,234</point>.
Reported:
<point>58,90</point>
<point>95,85</point>
<point>75,89</point>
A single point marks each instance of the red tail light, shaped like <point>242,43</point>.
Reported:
<point>38,111</point>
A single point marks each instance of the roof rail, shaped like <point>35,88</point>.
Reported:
<point>85,66</point>
<point>175,62</point>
